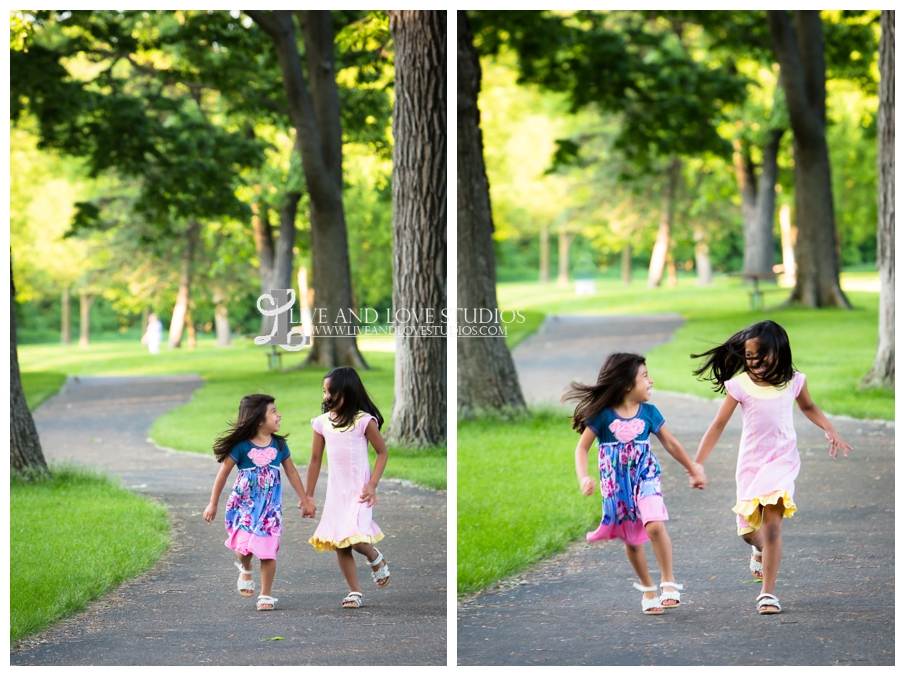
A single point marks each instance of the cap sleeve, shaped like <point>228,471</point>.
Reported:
<point>734,389</point>
<point>655,418</point>
<point>798,383</point>
<point>596,423</point>
<point>362,424</point>
<point>318,425</point>
<point>235,453</point>
<point>283,451</point>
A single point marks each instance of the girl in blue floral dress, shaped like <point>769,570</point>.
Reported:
<point>615,413</point>
<point>254,514</point>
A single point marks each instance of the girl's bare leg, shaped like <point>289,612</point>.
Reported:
<point>772,546</point>
<point>638,560</point>
<point>347,567</point>
<point>268,570</point>
<point>245,560</point>
<point>659,540</point>
<point>755,539</point>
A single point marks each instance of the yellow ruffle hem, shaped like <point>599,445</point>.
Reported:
<point>324,545</point>
<point>750,509</point>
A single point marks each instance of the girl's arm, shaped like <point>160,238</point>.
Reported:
<point>314,464</point>
<point>712,435</point>
<point>225,468</point>
<point>816,416</point>
<point>586,484</point>
<point>306,504</point>
<point>369,494</point>
<point>694,471</point>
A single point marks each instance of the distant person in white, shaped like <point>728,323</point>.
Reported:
<point>153,335</point>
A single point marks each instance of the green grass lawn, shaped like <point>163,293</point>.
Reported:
<point>229,374</point>
<point>510,515</point>
<point>73,538</point>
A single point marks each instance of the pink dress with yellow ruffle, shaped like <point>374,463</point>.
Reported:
<point>768,460</point>
<point>345,520</point>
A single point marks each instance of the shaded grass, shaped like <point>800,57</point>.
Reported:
<point>73,538</point>
<point>40,385</point>
<point>517,497</point>
<point>518,332</point>
<point>230,373</point>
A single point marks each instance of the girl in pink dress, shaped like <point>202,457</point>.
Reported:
<point>350,420</point>
<point>766,386</point>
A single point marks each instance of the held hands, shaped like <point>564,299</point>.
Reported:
<point>209,512</point>
<point>588,485</point>
<point>308,508</point>
<point>836,443</point>
<point>696,476</point>
<point>369,495</point>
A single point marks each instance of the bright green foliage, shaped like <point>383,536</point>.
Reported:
<point>40,385</point>
<point>74,537</point>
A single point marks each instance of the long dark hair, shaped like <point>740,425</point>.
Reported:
<point>346,396</point>
<point>723,362</point>
<point>252,412</point>
<point>617,376</point>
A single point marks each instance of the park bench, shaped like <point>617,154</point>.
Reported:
<point>756,294</point>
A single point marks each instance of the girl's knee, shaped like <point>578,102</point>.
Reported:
<point>655,529</point>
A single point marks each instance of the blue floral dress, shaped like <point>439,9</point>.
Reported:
<point>254,510</point>
<point>629,474</point>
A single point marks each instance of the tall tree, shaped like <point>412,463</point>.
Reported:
<point>419,224</point>
<point>486,373</point>
<point>315,113</point>
<point>800,53</point>
<point>25,452</point>
<point>883,372</point>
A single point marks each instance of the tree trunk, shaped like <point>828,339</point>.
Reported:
<point>627,264</point>
<point>883,372</point>
<point>25,454</point>
<point>183,296</point>
<point>85,303</point>
<point>318,140</point>
<point>803,77</point>
<point>747,188</point>
<point>565,242</point>
<point>759,223</point>
<point>221,321</point>
<point>787,234</point>
<point>702,258</point>
<point>486,379</point>
<point>544,253</point>
<point>260,224</point>
<point>664,233</point>
<point>66,322</point>
<point>419,225</point>
<point>191,341</point>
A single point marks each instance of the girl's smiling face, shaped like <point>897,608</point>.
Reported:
<point>271,422</point>
<point>641,390</point>
<point>752,355</point>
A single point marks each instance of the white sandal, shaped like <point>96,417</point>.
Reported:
<point>756,566</point>
<point>382,573</point>
<point>670,595</point>
<point>353,597</point>
<point>266,601</point>
<point>649,606</point>
<point>244,585</point>
<point>768,600</point>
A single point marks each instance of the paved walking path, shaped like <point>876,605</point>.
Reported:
<point>186,611</point>
<point>836,581</point>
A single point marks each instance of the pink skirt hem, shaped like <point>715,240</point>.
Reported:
<point>652,508</point>
<point>248,543</point>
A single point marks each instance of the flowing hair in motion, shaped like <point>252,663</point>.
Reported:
<point>252,412</point>
<point>346,396</point>
<point>616,378</point>
<point>774,355</point>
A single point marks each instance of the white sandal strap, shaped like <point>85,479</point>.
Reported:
<point>378,559</point>
<point>358,594</point>
<point>756,551</point>
<point>644,589</point>
<point>671,584</point>
<point>241,569</point>
<point>267,600</point>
